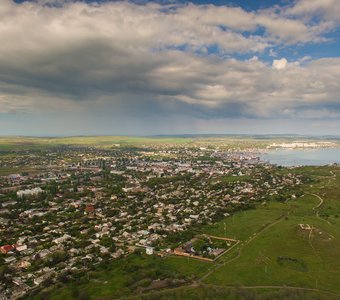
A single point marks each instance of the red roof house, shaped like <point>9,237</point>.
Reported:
<point>6,248</point>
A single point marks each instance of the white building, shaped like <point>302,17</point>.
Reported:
<point>33,192</point>
<point>149,250</point>
<point>62,239</point>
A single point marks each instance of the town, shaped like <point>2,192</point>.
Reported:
<point>80,206</point>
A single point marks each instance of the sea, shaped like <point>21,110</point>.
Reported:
<point>302,157</point>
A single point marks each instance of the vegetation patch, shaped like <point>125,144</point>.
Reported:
<point>292,263</point>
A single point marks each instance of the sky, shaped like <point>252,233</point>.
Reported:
<point>169,67</point>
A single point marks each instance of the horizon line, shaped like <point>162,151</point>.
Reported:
<point>170,135</point>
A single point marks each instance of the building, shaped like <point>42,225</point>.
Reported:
<point>149,250</point>
<point>90,210</point>
<point>6,248</point>
<point>29,193</point>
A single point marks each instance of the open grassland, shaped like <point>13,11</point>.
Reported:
<point>271,231</point>
<point>275,259</point>
<point>120,277</point>
<point>35,143</point>
<point>8,171</point>
<point>214,292</point>
<point>16,143</point>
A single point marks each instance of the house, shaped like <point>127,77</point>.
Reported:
<point>149,250</point>
<point>14,177</point>
<point>33,192</point>
<point>61,239</point>
<point>6,248</point>
<point>24,264</point>
<point>21,248</point>
<point>8,203</point>
<point>90,210</point>
<point>10,259</point>
<point>41,279</point>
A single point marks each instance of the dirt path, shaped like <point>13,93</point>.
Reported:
<point>310,242</point>
<point>316,208</point>
<point>320,203</point>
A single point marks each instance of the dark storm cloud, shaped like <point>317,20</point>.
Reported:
<point>154,59</point>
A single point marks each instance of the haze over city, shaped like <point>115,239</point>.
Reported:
<point>169,67</point>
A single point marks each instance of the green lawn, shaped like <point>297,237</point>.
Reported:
<point>242,225</point>
<point>235,178</point>
<point>8,171</point>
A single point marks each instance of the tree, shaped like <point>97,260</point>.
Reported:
<point>3,271</point>
<point>83,295</point>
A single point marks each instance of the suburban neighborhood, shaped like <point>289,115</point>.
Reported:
<point>81,206</point>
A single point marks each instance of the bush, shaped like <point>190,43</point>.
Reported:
<point>83,295</point>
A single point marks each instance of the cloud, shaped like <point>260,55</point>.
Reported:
<point>279,64</point>
<point>321,16</point>
<point>126,59</point>
<point>325,9</point>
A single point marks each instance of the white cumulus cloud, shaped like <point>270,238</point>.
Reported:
<point>279,64</point>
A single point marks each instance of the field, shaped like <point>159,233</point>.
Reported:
<point>275,258</point>
<point>124,276</point>
<point>35,143</point>
<point>8,171</point>
<point>13,143</point>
